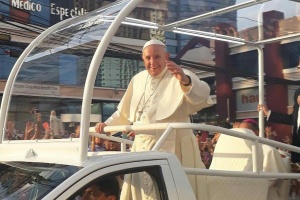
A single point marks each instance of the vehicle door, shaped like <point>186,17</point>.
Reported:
<point>158,171</point>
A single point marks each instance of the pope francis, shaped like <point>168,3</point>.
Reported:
<point>163,93</point>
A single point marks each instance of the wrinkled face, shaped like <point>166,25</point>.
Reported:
<point>155,58</point>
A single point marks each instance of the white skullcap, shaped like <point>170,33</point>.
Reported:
<point>151,42</point>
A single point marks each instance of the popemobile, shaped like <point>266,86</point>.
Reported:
<point>40,163</point>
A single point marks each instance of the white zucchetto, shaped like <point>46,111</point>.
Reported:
<point>151,42</point>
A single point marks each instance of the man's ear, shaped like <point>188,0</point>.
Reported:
<point>167,55</point>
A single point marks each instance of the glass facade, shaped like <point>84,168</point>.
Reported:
<point>8,57</point>
<point>291,53</point>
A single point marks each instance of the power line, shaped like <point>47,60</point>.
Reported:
<point>20,20</point>
<point>27,29</point>
<point>136,54</point>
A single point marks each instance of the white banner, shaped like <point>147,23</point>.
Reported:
<point>247,99</point>
<point>39,89</point>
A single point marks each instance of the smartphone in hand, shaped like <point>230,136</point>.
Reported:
<point>46,125</point>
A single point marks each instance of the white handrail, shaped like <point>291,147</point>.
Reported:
<point>261,89</point>
<point>216,129</point>
<point>123,141</point>
<point>168,127</point>
<point>244,174</point>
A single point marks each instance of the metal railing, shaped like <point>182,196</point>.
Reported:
<point>169,127</point>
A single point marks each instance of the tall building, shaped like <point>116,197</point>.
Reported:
<point>182,9</point>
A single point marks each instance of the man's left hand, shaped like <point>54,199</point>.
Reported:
<point>177,71</point>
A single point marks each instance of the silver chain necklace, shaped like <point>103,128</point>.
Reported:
<point>140,112</point>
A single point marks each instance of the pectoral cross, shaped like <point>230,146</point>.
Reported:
<point>140,114</point>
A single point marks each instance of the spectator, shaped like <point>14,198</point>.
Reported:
<point>217,135</point>
<point>55,125</point>
<point>287,139</point>
<point>47,133</point>
<point>204,136</point>
<point>29,128</point>
<point>107,189</point>
<point>269,133</point>
<point>97,144</point>
<point>207,152</point>
<point>253,125</point>
<point>198,138</point>
<point>38,131</point>
<point>113,145</point>
<point>236,124</point>
<point>289,119</point>
<point>77,132</point>
<point>35,131</point>
<point>11,132</point>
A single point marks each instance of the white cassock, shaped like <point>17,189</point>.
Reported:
<point>162,99</point>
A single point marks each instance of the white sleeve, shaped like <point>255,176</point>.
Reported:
<point>268,115</point>
<point>116,119</point>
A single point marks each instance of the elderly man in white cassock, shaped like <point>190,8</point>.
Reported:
<point>163,93</point>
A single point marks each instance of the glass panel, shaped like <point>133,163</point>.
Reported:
<point>116,72</point>
<point>57,68</point>
<point>31,180</point>
<point>8,57</point>
<point>63,57</point>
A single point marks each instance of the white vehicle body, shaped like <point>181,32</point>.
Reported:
<point>168,174</point>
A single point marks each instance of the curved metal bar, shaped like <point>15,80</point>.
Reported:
<point>91,76</point>
<point>261,93</point>
<point>13,74</point>
<point>162,139</point>
<point>205,127</point>
<point>213,13</point>
<point>243,174</point>
<point>255,156</point>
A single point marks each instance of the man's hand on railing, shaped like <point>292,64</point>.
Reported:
<point>99,128</point>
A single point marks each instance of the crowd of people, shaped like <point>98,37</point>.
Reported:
<point>34,129</point>
<point>207,141</point>
<point>37,129</point>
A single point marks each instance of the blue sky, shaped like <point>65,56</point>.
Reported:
<point>248,17</point>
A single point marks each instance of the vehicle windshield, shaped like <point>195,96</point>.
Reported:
<point>31,180</point>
